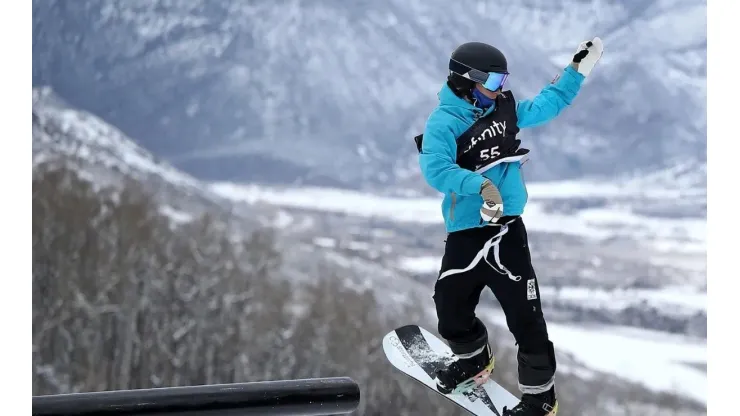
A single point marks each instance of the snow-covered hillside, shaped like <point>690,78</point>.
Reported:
<point>104,156</point>
<point>660,361</point>
<point>60,130</point>
<point>609,219</point>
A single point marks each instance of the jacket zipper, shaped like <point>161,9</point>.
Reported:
<point>524,182</point>
<point>477,114</point>
<point>452,207</point>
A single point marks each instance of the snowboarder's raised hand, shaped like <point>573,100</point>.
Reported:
<point>493,204</point>
<point>587,54</point>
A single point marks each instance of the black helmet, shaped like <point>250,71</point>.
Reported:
<point>477,55</point>
<point>471,62</point>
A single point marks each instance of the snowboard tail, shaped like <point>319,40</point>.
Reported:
<point>419,354</point>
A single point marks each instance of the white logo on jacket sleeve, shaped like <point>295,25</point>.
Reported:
<point>531,291</point>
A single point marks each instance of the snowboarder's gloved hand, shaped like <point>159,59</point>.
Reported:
<point>587,54</point>
<point>493,205</point>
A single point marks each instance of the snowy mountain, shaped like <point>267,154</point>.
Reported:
<point>104,156</point>
<point>331,92</point>
<point>233,108</point>
<point>60,130</point>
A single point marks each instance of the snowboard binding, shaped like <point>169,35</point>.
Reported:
<point>475,381</point>
<point>456,377</point>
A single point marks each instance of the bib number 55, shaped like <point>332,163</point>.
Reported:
<point>489,153</point>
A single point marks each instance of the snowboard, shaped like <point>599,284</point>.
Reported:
<point>418,353</point>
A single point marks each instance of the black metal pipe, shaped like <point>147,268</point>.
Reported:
<point>320,396</point>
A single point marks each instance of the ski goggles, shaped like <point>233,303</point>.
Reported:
<point>491,80</point>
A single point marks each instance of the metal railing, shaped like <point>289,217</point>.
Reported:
<point>320,396</point>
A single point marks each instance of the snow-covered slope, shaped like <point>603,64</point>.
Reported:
<point>660,361</point>
<point>332,91</point>
<point>60,130</point>
<point>103,155</point>
<point>551,209</point>
<point>601,261</point>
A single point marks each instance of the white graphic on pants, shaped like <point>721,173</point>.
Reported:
<point>531,291</point>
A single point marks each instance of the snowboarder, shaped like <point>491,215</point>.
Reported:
<point>470,153</point>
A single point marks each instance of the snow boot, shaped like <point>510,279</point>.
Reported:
<point>465,372</point>
<point>542,404</point>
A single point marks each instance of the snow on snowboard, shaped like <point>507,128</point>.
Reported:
<point>419,354</point>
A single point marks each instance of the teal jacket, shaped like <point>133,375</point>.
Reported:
<point>461,188</point>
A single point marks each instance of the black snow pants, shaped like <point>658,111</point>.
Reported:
<point>496,257</point>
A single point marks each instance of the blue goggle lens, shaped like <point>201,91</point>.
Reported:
<point>495,81</point>
<point>490,80</point>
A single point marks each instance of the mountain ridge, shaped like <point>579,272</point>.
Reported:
<point>331,93</point>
